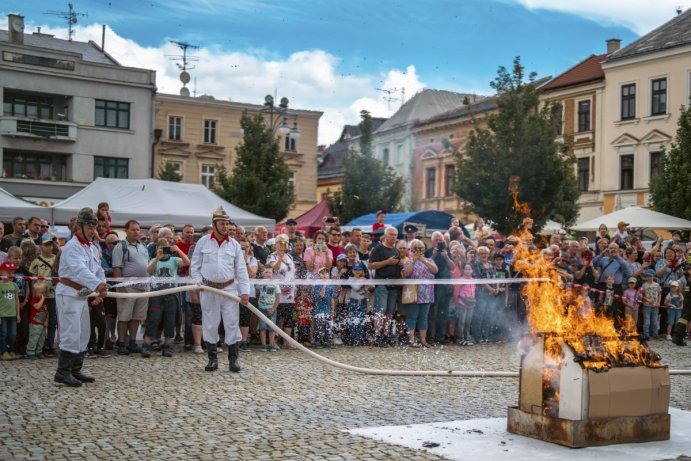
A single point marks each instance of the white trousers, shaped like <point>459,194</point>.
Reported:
<point>74,324</point>
<point>215,307</point>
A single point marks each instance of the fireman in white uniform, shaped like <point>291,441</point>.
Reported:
<point>218,262</point>
<point>80,273</point>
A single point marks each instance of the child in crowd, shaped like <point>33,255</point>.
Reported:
<point>16,256</point>
<point>674,302</point>
<point>38,320</point>
<point>44,266</point>
<point>652,294</point>
<point>607,297</point>
<point>267,301</point>
<point>163,309</point>
<point>304,306</point>
<point>324,310</point>
<point>585,305</point>
<point>464,298</point>
<point>631,297</point>
<point>357,305</point>
<point>340,268</point>
<point>10,312</point>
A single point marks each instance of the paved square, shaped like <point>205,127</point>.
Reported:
<point>281,406</point>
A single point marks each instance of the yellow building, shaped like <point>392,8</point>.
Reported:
<point>197,134</point>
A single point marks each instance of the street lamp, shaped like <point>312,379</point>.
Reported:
<point>280,121</point>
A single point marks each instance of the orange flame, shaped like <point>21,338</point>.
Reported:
<point>564,318</point>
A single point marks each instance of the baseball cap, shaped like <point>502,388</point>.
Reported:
<point>291,222</point>
<point>380,212</point>
<point>341,257</point>
<point>358,266</point>
<point>633,280</point>
<point>649,273</point>
<point>46,238</point>
<point>409,229</point>
<point>271,242</point>
<point>674,283</point>
<point>622,223</point>
<point>7,266</point>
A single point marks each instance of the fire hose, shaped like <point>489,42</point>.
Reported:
<point>321,358</point>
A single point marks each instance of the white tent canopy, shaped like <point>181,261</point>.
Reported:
<point>637,218</point>
<point>12,207</point>
<point>151,201</point>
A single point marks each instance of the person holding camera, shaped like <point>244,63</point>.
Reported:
<point>318,255</point>
<point>610,262</point>
<point>439,310</point>
<point>163,309</point>
<point>385,260</point>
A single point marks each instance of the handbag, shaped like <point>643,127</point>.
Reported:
<point>409,294</point>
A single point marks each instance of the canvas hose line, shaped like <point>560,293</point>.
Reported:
<point>333,363</point>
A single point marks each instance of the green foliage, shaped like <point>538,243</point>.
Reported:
<point>260,180</point>
<point>368,184</point>
<point>166,172</point>
<point>519,142</point>
<point>669,190</point>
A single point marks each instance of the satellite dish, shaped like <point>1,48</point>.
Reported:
<point>184,77</point>
<point>184,91</point>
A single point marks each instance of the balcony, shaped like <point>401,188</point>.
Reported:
<point>23,127</point>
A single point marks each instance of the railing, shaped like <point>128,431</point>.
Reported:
<point>42,128</point>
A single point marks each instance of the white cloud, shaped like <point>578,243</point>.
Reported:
<point>309,78</point>
<point>641,16</point>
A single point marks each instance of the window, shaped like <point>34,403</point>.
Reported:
<point>209,131</point>
<point>449,172</point>
<point>175,128</point>
<point>385,156</point>
<point>628,101</point>
<point>23,105</point>
<point>584,116</point>
<point>658,93</point>
<point>558,117</point>
<point>113,114</point>
<point>431,182</point>
<point>399,154</point>
<point>655,163</point>
<point>208,175</point>
<point>626,172</point>
<point>177,167</point>
<point>289,143</point>
<point>109,167</point>
<point>33,165</point>
<point>583,173</point>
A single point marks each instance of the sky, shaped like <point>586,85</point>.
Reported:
<point>337,56</point>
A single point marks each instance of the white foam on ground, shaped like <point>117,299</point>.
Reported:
<point>488,440</point>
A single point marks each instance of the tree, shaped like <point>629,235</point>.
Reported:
<point>669,189</point>
<point>517,152</point>
<point>167,172</point>
<point>368,184</point>
<point>260,181</point>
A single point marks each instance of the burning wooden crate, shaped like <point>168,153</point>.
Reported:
<point>579,394</point>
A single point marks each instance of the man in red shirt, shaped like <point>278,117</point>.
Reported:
<point>334,242</point>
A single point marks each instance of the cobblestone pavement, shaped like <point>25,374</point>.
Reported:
<point>283,405</point>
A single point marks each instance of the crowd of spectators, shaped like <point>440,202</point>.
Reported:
<point>371,305</point>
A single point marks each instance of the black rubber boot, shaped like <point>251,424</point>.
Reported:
<point>212,352</point>
<point>77,369</point>
<point>233,351</point>
<point>64,374</point>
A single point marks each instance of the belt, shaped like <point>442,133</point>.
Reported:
<point>71,284</point>
<point>218,285</point>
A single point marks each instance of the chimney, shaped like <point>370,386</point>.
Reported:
<point>16,28</point>
<point>613,44</point>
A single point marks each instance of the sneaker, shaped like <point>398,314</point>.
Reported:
<point>272,349</point>
<point>263,348</point>
<point>338,341</point>
<point>145,351</point>
<point>101,354</point>
<point>198,350</point>
<point>133,348</point>
<point>156,345</point>
<point>40,356</point>
<point>5,357</point>
<point>188,347</point>
<point>122,349</point>
<point>109,345</point>
<point>31,356</point>
<point>469,343</point>
<point>669,337</point>
<point>90,354</point>
<point>246,347</point>
<point>167,350</point>
<point>178,339</point>
<point>16,356</point>
<point>50,352</point>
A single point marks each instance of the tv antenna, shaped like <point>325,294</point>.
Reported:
<point>71,18</point>
<point>184,75</point>
<point>389,92</point>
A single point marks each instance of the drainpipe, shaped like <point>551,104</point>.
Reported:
<point>157,137</point>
